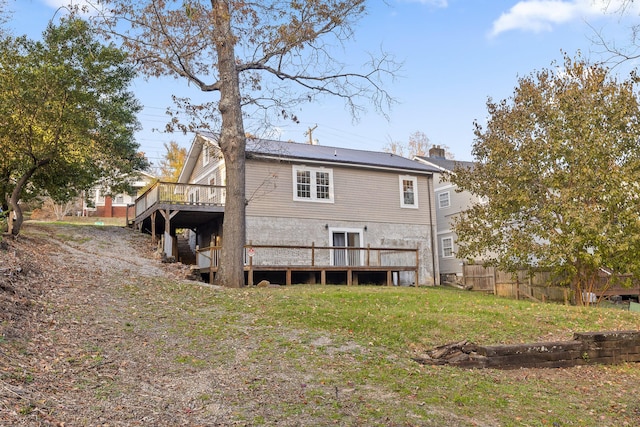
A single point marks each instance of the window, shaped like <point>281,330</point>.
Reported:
<point>447,247</point>
<point>408,192</point>
<point>119,199</point>
<point>443,200</point>
<point>206,155</point>
<point>313,184</point>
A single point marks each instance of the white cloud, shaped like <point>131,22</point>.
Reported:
<point>88,6</point>
<point>542,15</point>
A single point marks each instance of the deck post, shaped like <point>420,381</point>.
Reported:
<point>389,278</point>
<point>169,240</point>
<point>418,267</point>
<point>288,277</point>
<point>153,227</point>
<point>368,254</point>
<point>250,273</point>
<point>349,277</point>
<point>323,277</point>
<point>313,254</point>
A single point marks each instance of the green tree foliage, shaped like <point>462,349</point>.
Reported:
<point>257,59</point>
<point>67,116</point>
<point>172,162</point>
<point>559,167</point>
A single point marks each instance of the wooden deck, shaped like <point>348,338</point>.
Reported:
<point>179,205</point>
<point>312,264</point>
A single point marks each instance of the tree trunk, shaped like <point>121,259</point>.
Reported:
<point>16,218</point>
<point>233,144</point>
<point>14,199</point>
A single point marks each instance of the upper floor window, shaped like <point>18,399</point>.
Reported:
<point>444,200</point>
<point>408,192</point>
<point>313,184</point>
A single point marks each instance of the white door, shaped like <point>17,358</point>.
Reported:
<point>343,241</point>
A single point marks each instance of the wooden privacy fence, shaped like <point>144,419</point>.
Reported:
<point>312,259</point>
<point>539,285</point>
<point>519,285</point>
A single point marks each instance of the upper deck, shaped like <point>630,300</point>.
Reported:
<point>190,205</point>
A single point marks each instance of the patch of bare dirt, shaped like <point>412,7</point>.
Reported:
<point>61,339</point>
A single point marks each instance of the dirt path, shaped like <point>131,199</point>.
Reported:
<point>65,359</point>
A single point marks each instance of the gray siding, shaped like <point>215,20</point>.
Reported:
<point>459,201</point>
<point>362,195</point>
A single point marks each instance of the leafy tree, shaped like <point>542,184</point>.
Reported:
<point>559,166</point>
<point>172,162</point>
<point>67,117</point>
<point>257,58</point>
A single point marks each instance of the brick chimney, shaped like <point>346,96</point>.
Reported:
<point>436,152</point>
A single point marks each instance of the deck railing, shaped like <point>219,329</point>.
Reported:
<point>315,256</point>
<point>181,194</point>
<point>318,259</point>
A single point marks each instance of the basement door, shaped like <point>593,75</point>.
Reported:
<point>344,240</point>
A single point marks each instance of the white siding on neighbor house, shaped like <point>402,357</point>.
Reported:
<point>362,195</point>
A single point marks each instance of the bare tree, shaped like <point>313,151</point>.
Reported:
<point>614,51</point>
<point>417,145</point>
<point>254,57</point>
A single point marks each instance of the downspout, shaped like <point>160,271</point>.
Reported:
<point>431,225</point>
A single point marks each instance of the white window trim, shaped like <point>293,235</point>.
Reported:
<point>442,245</point>
<point>298,168</point>
<point>448,200</point>
<point>414,179</point>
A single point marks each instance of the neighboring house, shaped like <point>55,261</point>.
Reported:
<point>449,203</point>
<point>303,194</point>
<point>101,203</point>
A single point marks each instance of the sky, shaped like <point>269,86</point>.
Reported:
<point>456,54</point>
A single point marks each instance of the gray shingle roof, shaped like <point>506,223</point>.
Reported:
<point>327,154</point>
<point>283,150</point>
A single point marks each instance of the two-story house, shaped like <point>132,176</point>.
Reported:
<point>448,204</point>
<point>326,197</point>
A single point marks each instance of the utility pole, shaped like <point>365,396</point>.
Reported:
<point>310,133</point>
